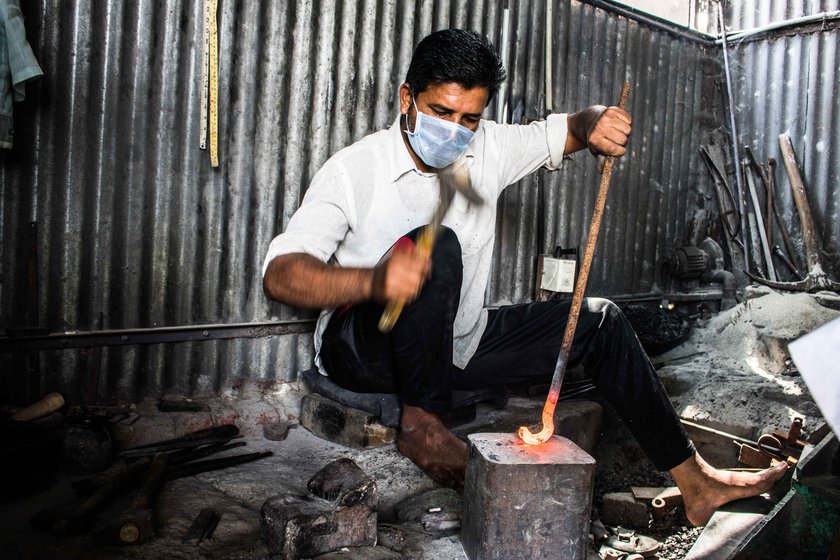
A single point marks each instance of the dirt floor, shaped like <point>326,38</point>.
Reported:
<point>731,373</point>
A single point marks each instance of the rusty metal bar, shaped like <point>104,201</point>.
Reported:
<point>161,335</point>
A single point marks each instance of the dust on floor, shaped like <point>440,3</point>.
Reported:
<point>731,371</point>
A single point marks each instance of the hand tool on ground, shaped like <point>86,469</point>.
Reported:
<point>74,520</point>
<point>87,486</point>
<point>215,434</point>
<point>136,524</point>
<point>191,469</point>
<point>454,177</point>
<point>547,430</point>
<point>45,405</point>
<point>816,279</point>
<point>762,233</point>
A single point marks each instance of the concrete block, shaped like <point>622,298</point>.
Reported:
<point>343,514</point>
<point>524,501</point>
<point>341,424</point>
<point>623,509</point>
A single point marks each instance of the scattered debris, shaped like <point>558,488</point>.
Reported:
<point>622,509</point>
<point>278,431</point>
<point>202,527</point>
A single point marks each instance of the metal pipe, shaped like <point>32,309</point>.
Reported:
<point>736,160</point>
<point>549,31</point>
<point>504,51</point>
<point>125,337</point>
<point>788,23</point>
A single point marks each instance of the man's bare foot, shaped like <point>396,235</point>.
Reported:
<point>705,488</point>
<point>426,441</point>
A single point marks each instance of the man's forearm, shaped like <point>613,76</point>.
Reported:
<point>301,280</point>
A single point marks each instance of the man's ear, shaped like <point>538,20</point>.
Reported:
<point>405,98</point>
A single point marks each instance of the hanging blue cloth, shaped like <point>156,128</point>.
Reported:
<point>17,66</point>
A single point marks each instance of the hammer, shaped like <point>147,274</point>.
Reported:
<point>454,177</point>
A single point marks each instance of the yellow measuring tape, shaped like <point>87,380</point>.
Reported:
<point>210,82</point>
<point>214,85</point>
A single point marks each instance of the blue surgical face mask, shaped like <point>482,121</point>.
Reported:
<point>436,141</point>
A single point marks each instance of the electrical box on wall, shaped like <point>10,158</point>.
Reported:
<point>556,274</point>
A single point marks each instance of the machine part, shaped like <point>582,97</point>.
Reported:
<point>688,262</point>
<point>455,177</point>
<point>577,300</point>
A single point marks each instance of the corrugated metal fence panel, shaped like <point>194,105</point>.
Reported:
<point>790,82</point>
<point>747,14</point>
<point>647,207</point>
<point>134,229</point>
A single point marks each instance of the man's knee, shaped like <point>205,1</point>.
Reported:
<point>447,265</point>
<point>608,314</point>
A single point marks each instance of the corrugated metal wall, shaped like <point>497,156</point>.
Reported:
<point>131,227</point>
<point>789,81</point>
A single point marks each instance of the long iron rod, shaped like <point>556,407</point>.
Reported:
<point>577,300</point>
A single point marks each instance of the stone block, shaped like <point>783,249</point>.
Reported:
<point>301,527</point>
<point>343,514</point>
<point>526,501</point>
<point>623,509</point>
<point>342,424</point>
<point>345,484</point>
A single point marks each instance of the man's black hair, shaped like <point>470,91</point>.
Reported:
<point>455,55</point>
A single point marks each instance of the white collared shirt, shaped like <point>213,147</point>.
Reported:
<point>370,194</point>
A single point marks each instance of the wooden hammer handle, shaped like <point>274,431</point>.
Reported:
<point>46,405</point>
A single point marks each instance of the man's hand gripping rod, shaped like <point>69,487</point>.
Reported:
<point>454,177</point>
<point>577,300</point>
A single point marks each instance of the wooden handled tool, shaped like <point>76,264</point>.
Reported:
<point>455,177</point>
<point>577,300</point>
<point>46,405</point>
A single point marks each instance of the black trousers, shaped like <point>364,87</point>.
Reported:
<point>521,342</point>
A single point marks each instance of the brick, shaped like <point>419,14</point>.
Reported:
<point>524,501</point>
<point>622,509</point>
<point>341,424</point>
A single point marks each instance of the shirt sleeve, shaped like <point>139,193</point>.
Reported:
<point>321,222</point>
<point>522,149</point>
